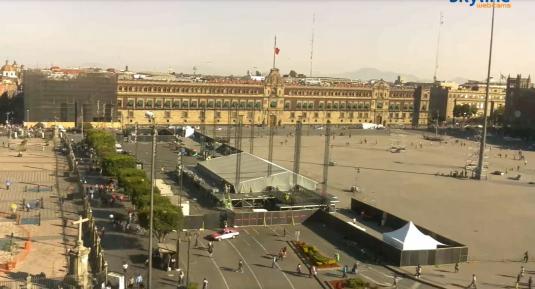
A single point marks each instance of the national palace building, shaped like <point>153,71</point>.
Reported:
<point>274,100</point>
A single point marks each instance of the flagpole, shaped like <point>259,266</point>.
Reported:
<point>274,48</point>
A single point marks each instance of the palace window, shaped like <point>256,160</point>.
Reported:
<point>250,104</point>
<point>321,105</point>
<point>328,115</point>
<point>316,115</point>
<point>130,114</point>
<point>379,105</point>
<point>258,104</point>
<point>311,105</point>
<point>292,114</point>
<point>218,114</point>
<point>226,104</point>
<point>202,104</point>
<point>148,103</point>
<point>176,103</point>
<point>218,103</point>
<point>287,105</point>
<point>119,103</point>
<point>273,104</point>
<point>342,114</point>
<point>193,104</point>
<point>167,103</point>
<point>234,104</point>
<point>342,105</point>
<point>335,106</point>
<point>329,105</point>
<point>366,105</point>
<point>210,104</point>
<point>139,103</point>
<point>167,114</point>
<point>298,105</point>
<point>184,114</point>
<point>243,104</point>
<point>130,103</point>
<point>185,104</point>
<point>158,103</point>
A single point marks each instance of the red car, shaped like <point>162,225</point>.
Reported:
<point>226,233</point>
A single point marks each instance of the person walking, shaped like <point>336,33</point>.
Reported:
<point>418,271</point>
<point>395,281</point>
<point>240,266</point>
<point>344,271</point>
<point>125,267</point>
<point>474,282</point>
<point>456,268</point>
<point>8,184</point>
<point>530,283</point>
<point>355,268</point>
<point>299,269</point>
<point>210,251</point>
<point>139,280</point>
<point>204,283</point>
<point>526,257</point>
<point>180,277</point>
<point>314,271</point>
<point>337,257</point>
<point>273,261</point>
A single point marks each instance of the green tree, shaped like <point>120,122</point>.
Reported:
<point>293,74</point>
<point>464,110</point>
<point>498,115</point>
<point>166,219</point>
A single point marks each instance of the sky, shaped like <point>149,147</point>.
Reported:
<point>231,37</point>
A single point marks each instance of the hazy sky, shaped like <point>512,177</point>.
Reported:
<point>231,37</point>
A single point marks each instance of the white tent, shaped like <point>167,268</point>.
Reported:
<point>409,238</point>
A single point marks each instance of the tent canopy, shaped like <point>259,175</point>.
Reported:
<point>409,238</point>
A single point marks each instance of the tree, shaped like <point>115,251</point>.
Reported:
<point>498,115</point>
<point>166,219</point>
<point>293,74</point>
<point>464,110</point>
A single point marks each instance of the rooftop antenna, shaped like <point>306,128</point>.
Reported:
<point>438,46</point>
<point>312,43</point>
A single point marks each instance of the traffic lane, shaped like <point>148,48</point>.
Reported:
<point>226,260</point>
<point>371,272</point>
<point>271,242</point>
<point>201,264</point>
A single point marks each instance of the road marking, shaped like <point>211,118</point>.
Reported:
<point>416,285</point>
<point>384,274</point>
<point>272,230</point>
<point>220,272</point>
<point>246,264</point>
<point>374,281</point>
<point>255,231</point>
<point>259,244</point>
<point>276,264</point>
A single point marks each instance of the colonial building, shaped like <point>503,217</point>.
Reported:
<point>273,100</point>
<point>69,95</point>
<point>10,78</point>
<point>444,98</point>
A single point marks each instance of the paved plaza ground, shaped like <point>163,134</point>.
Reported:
<point>50,240</point>
<point>494,217</point>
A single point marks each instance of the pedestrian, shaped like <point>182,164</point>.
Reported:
<point>240,266</point>
<point>273,261</point>
<point>131,282</point>
<point>456,269</point>
<point>8,184</point>
<point>181,277</point>
<point>522,271</point>
<point>204,283</point>
<point>355,268</point>
<point>474,281</point>
<point>418,271</point>
<point>125,267</point>
<point>139,280</point>
<point>344,271</point>
<point>395,281</point>
<point>299,269</point>
<point>526,257</point>
<point>530,282</point>
<point>210,251</point>
<point>314,271</point>
<point>28,207</point>
<point>284,232</point>
<point>337,257</point>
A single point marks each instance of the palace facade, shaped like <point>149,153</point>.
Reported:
<point>272,101</point>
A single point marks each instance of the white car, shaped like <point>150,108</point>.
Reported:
<point>226,233</point>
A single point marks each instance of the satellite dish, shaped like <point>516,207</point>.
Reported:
<point>517,113</point>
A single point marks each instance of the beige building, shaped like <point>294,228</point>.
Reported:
<point>256,102</point>
<point>445,98</point>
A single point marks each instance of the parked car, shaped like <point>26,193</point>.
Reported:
<point>226,233</point>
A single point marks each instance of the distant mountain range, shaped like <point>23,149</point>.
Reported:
<point>368,73</point>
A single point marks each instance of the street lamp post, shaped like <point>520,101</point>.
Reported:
<point>151,118</point>
<point>480,163</point>
<point>189,247</point>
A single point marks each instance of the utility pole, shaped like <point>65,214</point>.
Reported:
<point>482,146</point>
<point>152,166</point>
<point>251,139</point>
<point>326,157</point>
<point>312,43</point>
<point>297,153</point>
<point>180,209</point>
<point>82,114</point>
<point>274,50</point>
<point>135,137</point>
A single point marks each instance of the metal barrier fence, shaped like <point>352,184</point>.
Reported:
<point>269,218</point>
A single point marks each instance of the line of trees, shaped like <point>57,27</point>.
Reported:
<point>136,184</point>
<point>464,110</point>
